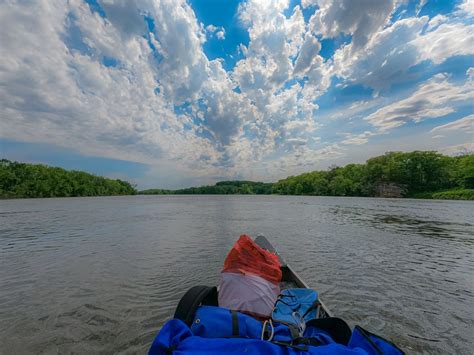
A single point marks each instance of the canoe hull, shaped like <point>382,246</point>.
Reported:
<point>290,279</point>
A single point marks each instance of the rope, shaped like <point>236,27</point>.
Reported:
<point>272,332</point>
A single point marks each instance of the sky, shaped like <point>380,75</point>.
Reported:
<point>175,93</point>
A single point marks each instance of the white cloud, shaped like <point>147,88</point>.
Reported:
<point>125,16</point>
<point>58,91</point>
<point>358,139</point>
<point>436,21</point>
<point>458,149</point>
<point>391,52</point>
<point>126,109</point>
<point>302,159</point>
<point>219,32</point>
<point>180,39</point>
<point>439,44</point>
<point>224,110</point>
<point>274,40</point>
<point>308,54</point>
<point>465,124</point>
<point>436,97</point>
<point>466,8</point>
<point>361,20</point>
<point>110,87</point>
<point>211,28</point>
<point>279,46</point>
<point>420,6</point>
<point>385,58</point>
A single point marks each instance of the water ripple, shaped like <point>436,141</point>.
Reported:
<point>102,275</point>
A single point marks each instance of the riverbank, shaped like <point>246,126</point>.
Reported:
<point>463,194</point>
<point>453,194</point>
<point>415,174</point>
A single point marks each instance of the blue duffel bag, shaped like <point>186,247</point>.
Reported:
<point>296,306</point>
<point>221,331</point>
<point>209,329</point>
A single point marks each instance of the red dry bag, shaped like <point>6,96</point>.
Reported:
<point>250,279</point>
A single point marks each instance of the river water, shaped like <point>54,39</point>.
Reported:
<point>101,275</point>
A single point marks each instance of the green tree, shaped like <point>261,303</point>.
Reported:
<point>464,174</point>
<point>35,180</point>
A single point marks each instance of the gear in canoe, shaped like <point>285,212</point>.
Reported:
<point>261,307</point>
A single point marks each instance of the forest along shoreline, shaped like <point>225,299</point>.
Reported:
<point>418,174</point>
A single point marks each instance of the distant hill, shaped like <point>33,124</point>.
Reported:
<point>424,174</point>
<point>20,180</point>
<point>220,188</point>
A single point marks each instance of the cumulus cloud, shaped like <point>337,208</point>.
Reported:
<point>466,8</point>
<point>211,28</point>
<point>219,32</point>
<point>62,92</point>
<point>436,21</point>
<point>136,83</point>
<point>360,19</point>
<point>223,110</point>
<point>274,41</point>
<point>116,86</point>
<point>308,54</point>
<point>183,69</point>
<point>280,48</point>
<point>125,16</point>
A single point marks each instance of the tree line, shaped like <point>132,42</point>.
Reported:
<point>21,180</point>
<point>414,173</point>
<point>424,174</point>
<point>220,188</point>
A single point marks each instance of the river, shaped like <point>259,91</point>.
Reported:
<point>102,274</point>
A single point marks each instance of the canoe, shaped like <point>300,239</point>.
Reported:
<point>205,295</point>
<point>290,279</point>
<point>218,328</point>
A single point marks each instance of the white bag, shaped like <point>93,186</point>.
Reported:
<point>248,293</point>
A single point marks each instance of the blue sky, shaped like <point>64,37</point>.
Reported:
<point>178,93</point>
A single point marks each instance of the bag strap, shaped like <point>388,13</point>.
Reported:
<point>315,305</point>
<point>192,299</point>
<point>235,324</point>
<point>289,344</point>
